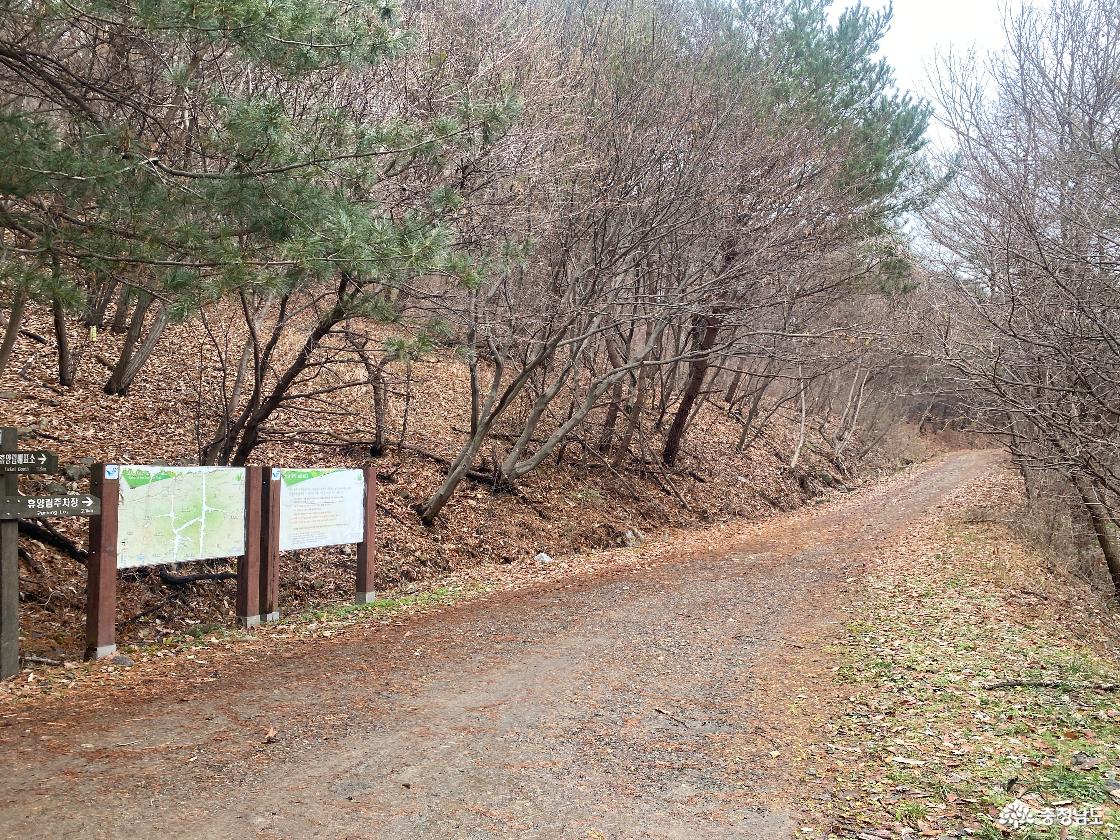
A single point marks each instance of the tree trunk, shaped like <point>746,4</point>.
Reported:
<point>135,353</point>
<point>752,412</point>
<point>380,399</point>
<point>801,427</point>
<point>62,340</point>
<point>577,416</point>
<point>616,401</point>
<point>131,339</point>
<point>120,312</point>
<point>1103,527</point>
<point>97,303</point>
<point>250,427</point>
<point>634,418</point>
<point>611,420</point>
<point>11,331</point>
<point>668,375</point>
<point>462,463</point>
<point>250,354</point>
<point>705,333</point>
<point>733,388</point>
<point>508,468</point>
<point>853,414</point>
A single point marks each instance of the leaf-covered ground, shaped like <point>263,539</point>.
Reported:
<point>666,690</point>
<point>561,509</point>
<point>930,739</point>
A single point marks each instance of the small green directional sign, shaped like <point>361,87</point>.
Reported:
<point>27,462</point>
<point>26,507</point>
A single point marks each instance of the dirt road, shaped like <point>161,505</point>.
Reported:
<point>666,701</point>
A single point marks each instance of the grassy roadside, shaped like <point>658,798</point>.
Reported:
<point>225,640</point>
<point>928,743</point>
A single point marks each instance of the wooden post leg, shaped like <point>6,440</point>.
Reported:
<point>9,570</point>
<point>367,548</point>
<point>270,545</point>
<point>101,569</point>
<point>248,567</point>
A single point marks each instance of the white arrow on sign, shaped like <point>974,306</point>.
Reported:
<point>42,458</point>
<point>87,502</point>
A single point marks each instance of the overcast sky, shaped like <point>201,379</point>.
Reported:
<point>923,29</point>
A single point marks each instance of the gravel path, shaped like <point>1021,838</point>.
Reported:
<point>664,702</point>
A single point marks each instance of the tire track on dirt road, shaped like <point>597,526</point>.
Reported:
<point>663,702</point>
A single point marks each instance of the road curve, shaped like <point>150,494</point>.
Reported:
<point>633,703</point>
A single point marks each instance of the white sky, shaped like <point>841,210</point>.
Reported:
<point>923,29</point>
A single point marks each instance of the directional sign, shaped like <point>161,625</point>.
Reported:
<point>26,462</point>
<point>25,507</point>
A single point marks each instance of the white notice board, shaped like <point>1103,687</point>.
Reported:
<point>320,507</point>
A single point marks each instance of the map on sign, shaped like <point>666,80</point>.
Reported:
<point>320,507</point>
<point>174,514</point>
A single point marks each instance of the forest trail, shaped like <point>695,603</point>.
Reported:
<point>666,701</point>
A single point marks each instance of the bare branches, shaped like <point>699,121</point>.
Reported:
<point>1030,309</point>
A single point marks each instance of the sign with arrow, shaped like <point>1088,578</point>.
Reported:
<point>28,462</point>
<point>26,507</point>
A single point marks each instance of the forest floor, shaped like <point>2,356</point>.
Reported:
<point>825,671</point>
<point>574,503</point>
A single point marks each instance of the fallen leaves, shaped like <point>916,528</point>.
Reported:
<point>965,695</point>
<point>570,512</point>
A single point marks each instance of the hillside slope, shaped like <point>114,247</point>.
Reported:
<point>579,503</point>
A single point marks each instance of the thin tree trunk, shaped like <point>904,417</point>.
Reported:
<point>135,353</point>
<point>616,401</point>
<point>576,417</point>
<point>120,313</point>
<point>132,337</point>
<point>752,412</point>
<point>508,468</point>
<point>462,463</point>
<point>634,418</point>
<point>801,428</point>
<point>1103,527</point>
<point>668,377</point>
<point>704,338</point>
<point>476,388</point>
<point>11,331</point>
<point>853,422</point>
<point>611,419</point>
<point>62,341</point>
<point>249,351</point>
<point>407,403</point>
<point>98,303</point>
<point>380,398</point>
<point>250,427</point>
<point>733,388</point>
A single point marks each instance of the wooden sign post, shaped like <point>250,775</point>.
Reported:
<point>364,592</point>
<point>270,545</point>
<point>101,569</point>
<point>9,571</point>
<point>248,567</point>
<point>14,507</point>
<point>328,515</point>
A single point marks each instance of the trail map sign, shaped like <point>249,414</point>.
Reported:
<point>174,514</point>
<point>321,507</point>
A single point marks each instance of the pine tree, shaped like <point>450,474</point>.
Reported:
<point>186,150</point>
